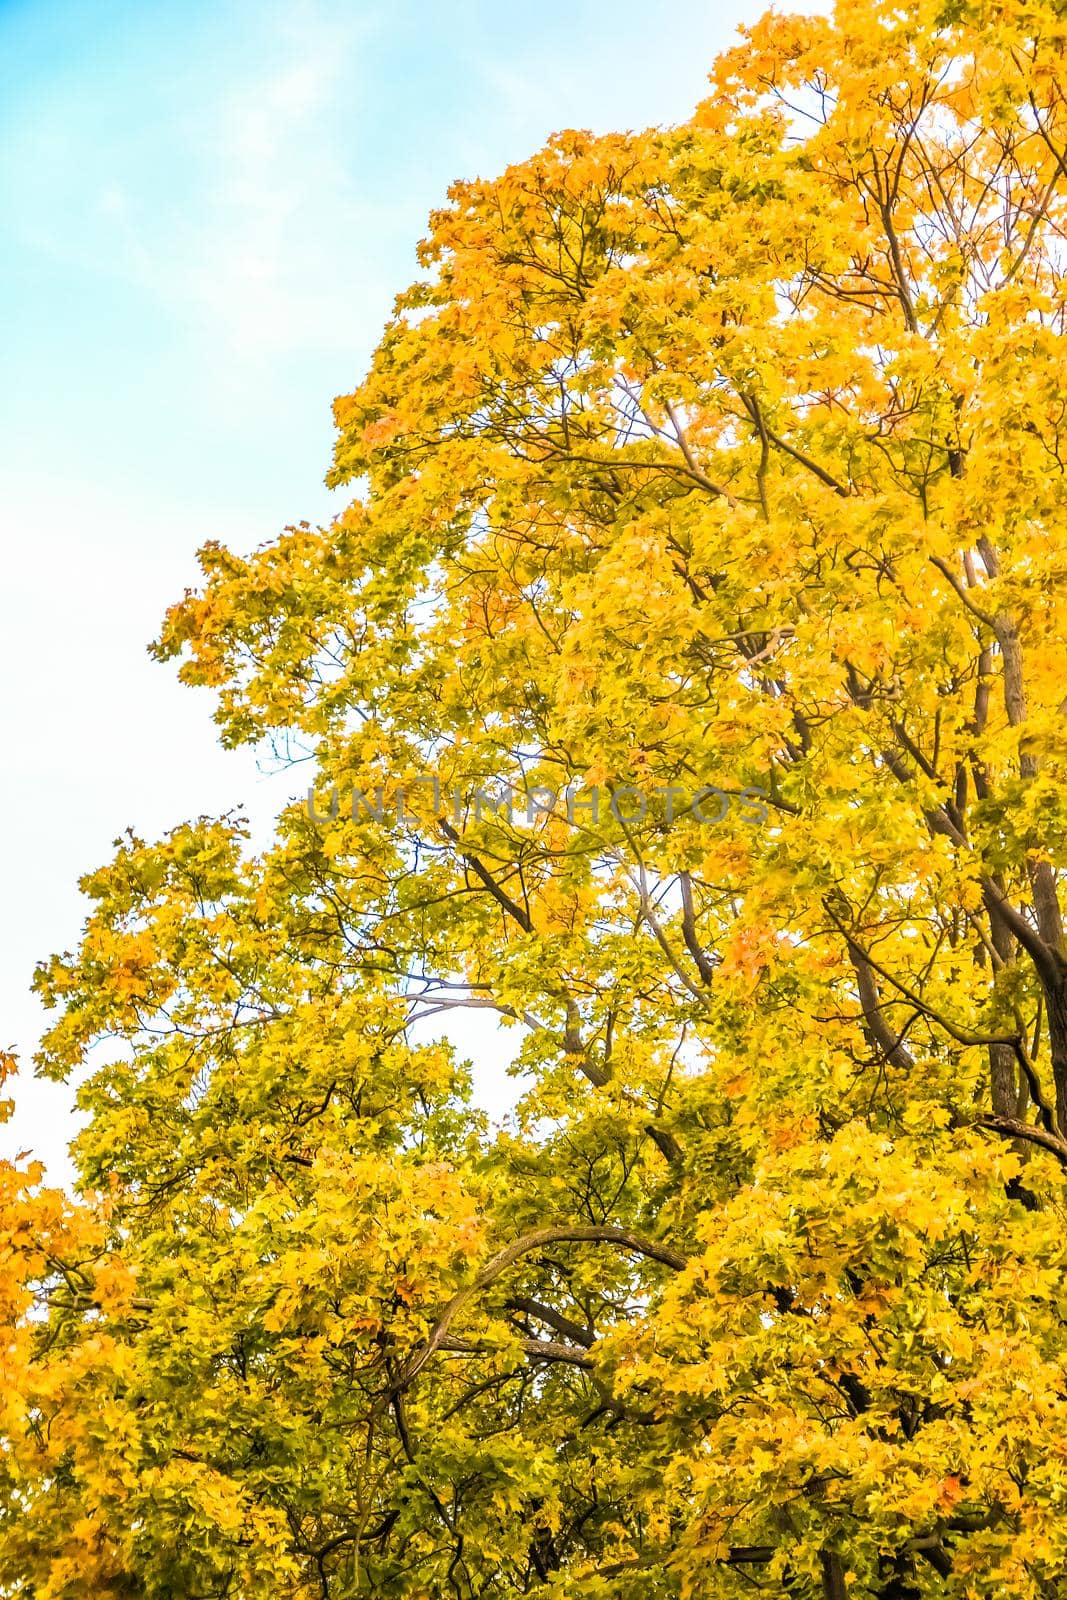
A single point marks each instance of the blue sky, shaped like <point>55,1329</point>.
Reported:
<point>205,211</point>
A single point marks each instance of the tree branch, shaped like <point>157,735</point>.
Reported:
<point>506,1258</point>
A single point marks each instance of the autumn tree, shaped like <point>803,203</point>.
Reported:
<point>727,457</point>
<point>56,1264</point>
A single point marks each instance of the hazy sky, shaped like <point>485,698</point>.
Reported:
<point>205,210</point>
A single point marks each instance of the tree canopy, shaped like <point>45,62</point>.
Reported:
<point>721,457</point>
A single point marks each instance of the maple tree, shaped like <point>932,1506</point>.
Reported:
<point>729,454</point>
<point>53,1253</point>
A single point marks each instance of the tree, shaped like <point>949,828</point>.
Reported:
<point>725,458</point>
<point>54,1256</point>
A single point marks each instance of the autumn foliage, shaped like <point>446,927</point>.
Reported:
<point>729,454</point>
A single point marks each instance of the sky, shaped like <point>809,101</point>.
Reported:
<point>205,213</point>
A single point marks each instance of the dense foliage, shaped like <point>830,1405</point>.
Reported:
<point>727,456</point>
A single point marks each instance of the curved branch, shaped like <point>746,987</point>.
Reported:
<point>507,1257</point>
<point>892,1047</point>
<point>1012,1128</point>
